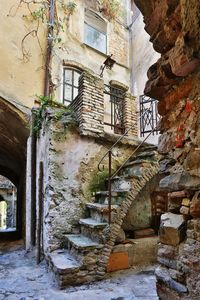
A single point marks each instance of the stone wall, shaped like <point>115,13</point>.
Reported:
<point>174,81</point>
<point>70,174</point>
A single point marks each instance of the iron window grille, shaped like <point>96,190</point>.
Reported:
<point>149,116</point>
<point>70,84</point>
<point>116,108</point>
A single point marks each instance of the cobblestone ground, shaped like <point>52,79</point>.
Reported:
<point>22,279</point>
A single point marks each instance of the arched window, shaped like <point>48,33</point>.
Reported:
<point>70,84</point>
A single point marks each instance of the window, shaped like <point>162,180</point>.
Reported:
<point>95,34</point>
<point>70,84</point>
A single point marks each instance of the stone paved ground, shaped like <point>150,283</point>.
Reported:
<point>22,279</point>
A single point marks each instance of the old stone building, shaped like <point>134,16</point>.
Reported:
<point>71,86</point>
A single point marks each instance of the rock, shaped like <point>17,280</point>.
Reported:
<point>167,251</point>
<point>195,205</point>
<point>184,210</point>
<point>165,164</point>
<point>172,229</point>
<point>162,274</point>
<point>180,181</point>
<point>121,236</point>
<point>186,202</point>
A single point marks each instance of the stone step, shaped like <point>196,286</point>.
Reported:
<point>68,271</point>
<point>99,212</point>
<point>120,183</point>
<point>93,229</point>
<point>146,154</point>
<point>62,262</point>
<point>117,196</point>
<point>140,160</point>
<point>81,242</point>
<point>89,222</point>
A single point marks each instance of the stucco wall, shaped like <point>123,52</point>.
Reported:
<point>19,81</point>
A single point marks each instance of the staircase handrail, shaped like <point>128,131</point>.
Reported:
<point>109,153</point>
<point>122,136</point>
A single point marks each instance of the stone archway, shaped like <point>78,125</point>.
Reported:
<point>13,138</point>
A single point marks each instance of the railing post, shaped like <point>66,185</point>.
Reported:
<point>109,185</point>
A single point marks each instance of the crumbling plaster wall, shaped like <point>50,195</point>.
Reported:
<point>70,165</point>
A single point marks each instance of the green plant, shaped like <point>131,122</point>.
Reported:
<point>111,8</point>
<point>38,119</point>
<point>38,14</point>
<point>98,181</point>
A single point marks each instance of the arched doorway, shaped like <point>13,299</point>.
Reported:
<point>13,138</point>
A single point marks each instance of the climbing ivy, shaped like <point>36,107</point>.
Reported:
<point>49,102</point>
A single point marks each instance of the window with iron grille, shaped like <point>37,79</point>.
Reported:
<point>116,98</point>
<point>70,84</point>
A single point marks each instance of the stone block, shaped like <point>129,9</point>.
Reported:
<point>186,202</point>
<point>163,275</point>
<point>172,229</point>
<point>180,181</point>
<point>167,251</point>
<point>184,210</point>
<point>118,261</point>
<point>195,205</point>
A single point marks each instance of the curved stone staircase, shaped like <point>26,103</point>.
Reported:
<point>84,256</point>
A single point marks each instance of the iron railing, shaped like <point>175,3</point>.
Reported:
<point>116,108</point>
<point>109,154</point>
<point>150,116</point>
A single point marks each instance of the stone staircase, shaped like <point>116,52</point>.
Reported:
<point>84,256</point>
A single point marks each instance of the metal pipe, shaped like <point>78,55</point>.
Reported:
<point>47,86</point>
<point>109,185</point>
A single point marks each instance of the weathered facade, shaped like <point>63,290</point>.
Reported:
<point>174,81</point>
<point>84,102</point>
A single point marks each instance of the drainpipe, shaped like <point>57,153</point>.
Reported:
<point>47,92</point>
<point>47,81</point>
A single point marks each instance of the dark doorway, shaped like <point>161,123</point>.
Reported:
<point>13,139</point>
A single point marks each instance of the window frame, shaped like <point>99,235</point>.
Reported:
<point>72,84</point>
<point>88,20</point>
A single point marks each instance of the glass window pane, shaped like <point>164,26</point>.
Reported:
<point>67,92</point>
<point>76,78</point>
<point>75,93</point>
<point>95,38</point>
<point>68,76</point>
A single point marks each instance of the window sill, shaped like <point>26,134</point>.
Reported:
<point>95,50</point>
<point>103,54</point>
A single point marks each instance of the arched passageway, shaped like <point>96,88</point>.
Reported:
<point>13,137</point>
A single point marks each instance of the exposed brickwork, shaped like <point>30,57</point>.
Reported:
<point>129,114</point>
<point>89,105</point>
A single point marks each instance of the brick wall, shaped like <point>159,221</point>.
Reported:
<point>89,105</point>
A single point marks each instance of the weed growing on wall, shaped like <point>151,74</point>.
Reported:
<point>112,9</point>
<point>59,111</point>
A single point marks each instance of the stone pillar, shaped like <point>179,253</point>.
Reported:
<point>89,104</point>
<point>130,114</point>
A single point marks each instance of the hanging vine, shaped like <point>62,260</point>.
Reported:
<point>38,16</point>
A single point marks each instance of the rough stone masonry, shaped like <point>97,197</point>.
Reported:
<point>173,26</point>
